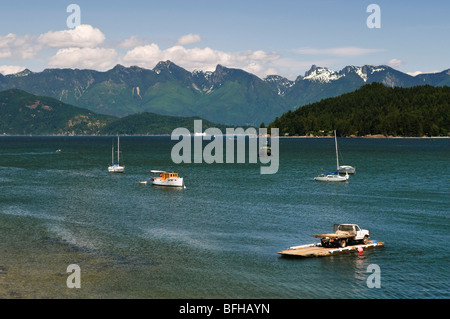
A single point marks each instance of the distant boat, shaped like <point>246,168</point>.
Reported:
<point>266,150</point>
<point>115,167</point>
<point>162,178</point>
<point>333,176</point>
<point>344,169</point>
<point>347,169</point>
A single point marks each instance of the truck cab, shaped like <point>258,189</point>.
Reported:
<point>356,233</point>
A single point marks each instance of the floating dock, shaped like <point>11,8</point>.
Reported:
<point>316,250</point>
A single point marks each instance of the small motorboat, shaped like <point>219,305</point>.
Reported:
<point>162,178</point>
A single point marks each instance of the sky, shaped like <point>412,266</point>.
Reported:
<point>282,37</point>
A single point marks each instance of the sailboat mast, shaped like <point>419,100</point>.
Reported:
<point>112,153</point>
<point>335,143</point>
<point>118,149</point>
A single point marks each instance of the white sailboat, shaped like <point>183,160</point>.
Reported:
<point>334,176</point>
<point>115,167</point>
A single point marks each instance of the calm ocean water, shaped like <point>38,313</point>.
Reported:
<point>219,237</point>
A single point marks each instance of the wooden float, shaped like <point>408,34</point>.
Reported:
<point>316,250</point>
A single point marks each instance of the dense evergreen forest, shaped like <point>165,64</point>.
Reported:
<point>373,109</point>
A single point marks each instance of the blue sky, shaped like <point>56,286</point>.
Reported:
<point>283,37</point>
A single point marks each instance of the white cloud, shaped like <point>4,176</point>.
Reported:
<point>5,53</point>
<point>101,59</point>
<point>11,69</point>
<point>149,55</point>
<point>84,48</point>
<point>414,73</point>
<point>205,59</point>
<point>421,72</point>
<point>18,47</point>
<point>340,51</point>
<point>83,36</point>
<point>395,63</point>
<point>188,39</point>
<point>6,40</point>
<point>132,42</point>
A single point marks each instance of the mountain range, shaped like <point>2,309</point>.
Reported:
<point>225,95</point>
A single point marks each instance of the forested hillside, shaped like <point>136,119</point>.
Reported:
<point>374,109</point>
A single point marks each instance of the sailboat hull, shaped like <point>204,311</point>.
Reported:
<point>331,178</point>
<point>335,177</point>
<point>116,169</point>
<point>171,182</point>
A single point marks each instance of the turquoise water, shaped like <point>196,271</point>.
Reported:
<point>219,237</point>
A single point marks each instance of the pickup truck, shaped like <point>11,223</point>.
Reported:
<point>344,234</point>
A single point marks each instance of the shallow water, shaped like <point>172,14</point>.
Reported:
<point>219,237</point>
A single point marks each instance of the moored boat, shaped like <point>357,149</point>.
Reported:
<point>162,178</point>
<point>334,176</point>
<point>347,169</point>
<point>116,167</point>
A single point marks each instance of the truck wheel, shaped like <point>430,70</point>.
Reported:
<point>342,243</point>
<point>365,240</point>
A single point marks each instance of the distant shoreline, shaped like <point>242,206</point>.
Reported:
<point>378,136</point>
<point>367,136</point>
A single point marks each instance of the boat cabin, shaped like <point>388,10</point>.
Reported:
<point>164,175</point>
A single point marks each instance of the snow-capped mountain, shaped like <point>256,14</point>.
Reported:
<point>225,95</point>
<point>326,75</point>
<point>322,75</point>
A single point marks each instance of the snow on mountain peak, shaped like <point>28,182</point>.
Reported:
<point>281,83</point>
<point>366,70</point>
<point>323,75</point>
<point>361,74</point>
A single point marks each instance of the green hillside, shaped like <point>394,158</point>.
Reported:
<point>22,113</point>
<point>374,109</point>
<point>25,113</point>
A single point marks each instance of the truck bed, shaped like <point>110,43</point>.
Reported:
<point>338,234</point>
